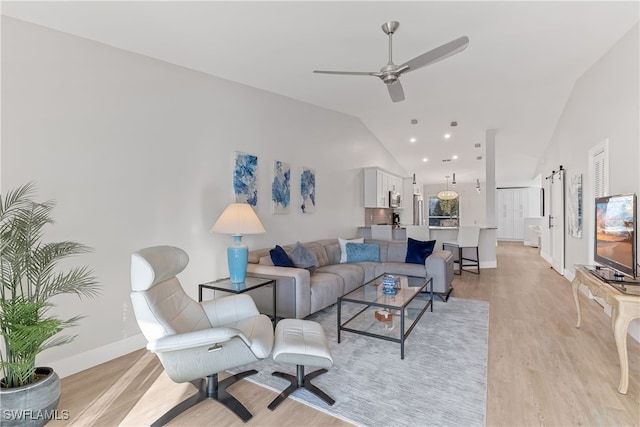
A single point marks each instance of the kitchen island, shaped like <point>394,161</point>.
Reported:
<point>486,245</point>
<point>399,233</point>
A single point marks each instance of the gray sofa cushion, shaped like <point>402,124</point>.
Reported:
<point>325,290</point>
<point>334,252</point>
<point>352,274</point>
<point>369,270</point>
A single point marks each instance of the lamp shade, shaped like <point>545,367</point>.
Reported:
<point>238,219</point>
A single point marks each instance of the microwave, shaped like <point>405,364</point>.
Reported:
<point>394,199</point>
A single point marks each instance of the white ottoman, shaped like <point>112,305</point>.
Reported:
<point>301,342</point>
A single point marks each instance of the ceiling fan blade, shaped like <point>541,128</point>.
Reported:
<point>437,54</point>
<point>395,91</point>
<point>350,73</point>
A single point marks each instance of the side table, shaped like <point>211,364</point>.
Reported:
<point>624,308</point>
<point>250,283</point>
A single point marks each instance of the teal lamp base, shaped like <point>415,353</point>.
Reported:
<point>237,256</point>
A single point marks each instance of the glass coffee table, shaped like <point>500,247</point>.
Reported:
<point>390,317</point>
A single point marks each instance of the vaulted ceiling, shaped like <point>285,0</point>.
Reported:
<point>515,76</point>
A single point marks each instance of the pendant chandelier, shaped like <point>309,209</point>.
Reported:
<point>447,194</point>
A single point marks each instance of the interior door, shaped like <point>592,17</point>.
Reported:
<point>556,221</point>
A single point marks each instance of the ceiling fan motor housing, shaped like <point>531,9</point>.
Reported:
<point>390,27</point>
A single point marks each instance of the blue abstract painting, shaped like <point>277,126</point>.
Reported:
<point>281,187</point>
<point>245,173</point>
<point>308,191</point>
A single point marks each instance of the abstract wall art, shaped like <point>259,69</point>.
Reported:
<point>245,174</point>
<point>575,207</point>
<point>307,191</point>
<point>281,188</point>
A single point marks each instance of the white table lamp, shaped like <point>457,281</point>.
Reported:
<point>238,219</point>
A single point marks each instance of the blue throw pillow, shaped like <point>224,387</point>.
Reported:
<point>418,251</point>
<point>361,252</point>
<point>280,258</point>
<point>303,257</point>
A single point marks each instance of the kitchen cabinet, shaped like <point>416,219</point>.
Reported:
<point>514,205</point>
<point>377,184</point>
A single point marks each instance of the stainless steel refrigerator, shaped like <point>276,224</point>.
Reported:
<point>418,210</point>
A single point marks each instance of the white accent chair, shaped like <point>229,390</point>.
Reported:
<point>381,232</point>
<point>195,340</point>
<point>468,238</point>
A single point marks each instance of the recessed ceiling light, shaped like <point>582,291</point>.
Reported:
<point>447,135</point>
<point>477,145</point>
<point>455,157</point>
<point>412,140</point>
<point>454,124</point>
<point>425,159</point>
<point>479,158</point>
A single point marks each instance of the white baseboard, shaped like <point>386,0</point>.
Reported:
<point>488,264</point>
<point>89,359</point>
<point>483,264</point>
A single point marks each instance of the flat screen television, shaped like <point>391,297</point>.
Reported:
<point>615,236</point>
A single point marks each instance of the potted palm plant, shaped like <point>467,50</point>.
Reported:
<point>31,276</point>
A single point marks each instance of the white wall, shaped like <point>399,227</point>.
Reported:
<point>604,104</point>
<point>138,152</point>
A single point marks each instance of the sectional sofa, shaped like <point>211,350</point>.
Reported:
<point>302,292</point>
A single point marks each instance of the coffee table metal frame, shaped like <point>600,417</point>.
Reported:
<point>371,296</point>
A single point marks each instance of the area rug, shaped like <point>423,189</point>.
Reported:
<point>442,380</point>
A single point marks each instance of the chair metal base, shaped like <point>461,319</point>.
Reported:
<point>461,259</point>
<point>300,381</point>
<point>444,296</point>
<point>210,389</point>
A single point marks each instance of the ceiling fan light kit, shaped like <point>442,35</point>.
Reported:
<point>391,72</point>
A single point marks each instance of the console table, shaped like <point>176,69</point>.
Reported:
<point>624,308</point>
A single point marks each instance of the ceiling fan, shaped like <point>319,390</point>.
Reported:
<point>391,72</point>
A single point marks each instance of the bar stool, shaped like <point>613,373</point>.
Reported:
<point>468,238</point>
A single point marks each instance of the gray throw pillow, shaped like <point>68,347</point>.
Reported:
<point>302,257</point>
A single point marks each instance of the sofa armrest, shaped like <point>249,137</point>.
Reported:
<point>294,288</point>
<point>439,265</point>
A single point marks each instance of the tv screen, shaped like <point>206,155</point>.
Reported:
<point>615,221</point>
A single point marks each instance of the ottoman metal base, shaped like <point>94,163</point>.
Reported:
<point>300,381</point>
<point>301,342</point>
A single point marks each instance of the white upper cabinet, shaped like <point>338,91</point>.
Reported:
<point>377,184</point>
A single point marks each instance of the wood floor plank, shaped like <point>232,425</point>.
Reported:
<point>542,371</point>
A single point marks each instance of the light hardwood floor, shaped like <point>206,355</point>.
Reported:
<point>542,370</point>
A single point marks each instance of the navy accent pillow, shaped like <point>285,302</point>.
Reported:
<point>280,258</point>
<point>361,252</point>
<point>418,251</point>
